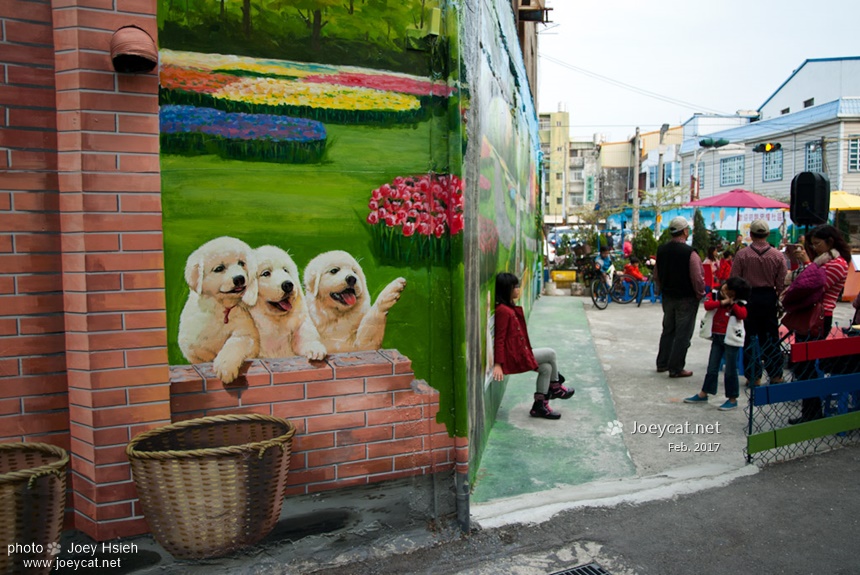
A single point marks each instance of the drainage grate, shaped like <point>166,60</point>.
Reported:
<point>590,569</point>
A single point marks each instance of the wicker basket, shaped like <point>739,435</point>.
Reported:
<point>213,485</point>
<point>32,502</point>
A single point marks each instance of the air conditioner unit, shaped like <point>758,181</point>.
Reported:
<point>533,11</point>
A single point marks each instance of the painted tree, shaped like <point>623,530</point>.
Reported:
<point>311,12</point>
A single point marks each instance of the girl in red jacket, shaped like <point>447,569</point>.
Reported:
<point>725,343</point>
<point>514,354</point>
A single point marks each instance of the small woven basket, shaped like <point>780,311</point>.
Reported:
<point>32,503</point>
<point>213,485</point>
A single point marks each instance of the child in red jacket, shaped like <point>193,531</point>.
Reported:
<point>514,354</point>
<point>727,337</point>
<point>632,269</point>
<point>724,270</point>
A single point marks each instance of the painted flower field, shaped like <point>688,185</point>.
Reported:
<point>332,94</point>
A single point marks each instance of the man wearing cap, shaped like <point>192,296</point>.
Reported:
<point>763,266</point>
<point>681,279</point>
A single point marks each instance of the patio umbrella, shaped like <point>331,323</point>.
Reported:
<point>738,199</point>
<point>844,201</point>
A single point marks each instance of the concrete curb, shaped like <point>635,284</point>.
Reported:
<point>539,507</point>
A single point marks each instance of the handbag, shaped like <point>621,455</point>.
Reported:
<point>735,332</point>
<point>706,323</point>
<point>806,321</point>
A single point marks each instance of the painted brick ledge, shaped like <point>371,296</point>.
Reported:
<point>360,417</point>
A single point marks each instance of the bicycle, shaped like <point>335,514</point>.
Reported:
<point>625,288</point>
<point>600,293</point>
<point>644,289</point>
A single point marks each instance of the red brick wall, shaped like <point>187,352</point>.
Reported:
<point>82,325</point>
<point>360,418</point>
<point>33,398</point>
<point>112,261</point>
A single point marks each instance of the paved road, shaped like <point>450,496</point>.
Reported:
<point>800,517</point>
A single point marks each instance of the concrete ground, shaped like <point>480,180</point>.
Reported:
<point>601,484</point>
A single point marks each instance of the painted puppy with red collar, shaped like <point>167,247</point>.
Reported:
<point>215,324</point>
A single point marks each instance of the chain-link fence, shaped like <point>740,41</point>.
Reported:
<point>808,397</point>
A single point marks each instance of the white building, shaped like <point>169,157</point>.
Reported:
<point>814,116</point>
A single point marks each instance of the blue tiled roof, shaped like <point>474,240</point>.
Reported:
<point>763,129</point>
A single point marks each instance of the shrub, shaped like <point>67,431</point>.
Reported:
<point>644,243</point>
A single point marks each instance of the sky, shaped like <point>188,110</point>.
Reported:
<point>618,64</point>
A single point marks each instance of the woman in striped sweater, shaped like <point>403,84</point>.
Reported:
<point>828,244</point>
<point>832,254</point>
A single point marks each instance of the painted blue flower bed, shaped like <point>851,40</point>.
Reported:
<point>189,130</point>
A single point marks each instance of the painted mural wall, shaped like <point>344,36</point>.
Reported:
<point>311,201</point>
<point>506,152</point>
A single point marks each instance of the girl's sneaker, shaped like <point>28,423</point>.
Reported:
<point>696,399</point>
<point>728,405</point>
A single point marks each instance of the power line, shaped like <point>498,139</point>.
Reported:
<point>629,87</point>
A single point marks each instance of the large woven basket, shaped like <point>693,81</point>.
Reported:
<point>32,503</point>
<point>213,485</point>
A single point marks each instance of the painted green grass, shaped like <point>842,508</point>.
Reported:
<point>309,209</point>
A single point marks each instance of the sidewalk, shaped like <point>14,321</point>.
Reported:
<point>596,450</point>
<point>533,467</point>
<point>525,454</point>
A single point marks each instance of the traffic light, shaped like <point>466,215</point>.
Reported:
<point>766,148</point>
<point>712,143</point>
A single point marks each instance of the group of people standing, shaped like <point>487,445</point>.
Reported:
<point>744,303</point>
<point>745,290</point>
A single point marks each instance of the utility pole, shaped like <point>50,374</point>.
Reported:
<point>635,222</point>
<point>663,129</point>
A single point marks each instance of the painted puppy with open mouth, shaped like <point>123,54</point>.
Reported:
<point>281,313</point>
<point>340,305</point>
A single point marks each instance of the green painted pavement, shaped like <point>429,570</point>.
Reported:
<point>526,454</point>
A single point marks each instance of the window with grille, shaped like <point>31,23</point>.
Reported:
<point>854,154</point>
<point>814,162</point>
<point>772,170</point>
<point>732,171</point>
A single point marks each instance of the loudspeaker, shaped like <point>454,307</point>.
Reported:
<point>810,199</point>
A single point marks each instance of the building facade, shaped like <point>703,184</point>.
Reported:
<point>570,170</point>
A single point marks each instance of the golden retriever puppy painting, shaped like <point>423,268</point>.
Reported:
<point>215,324</point>
<point>340,306</point>
<point>281,313</point>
